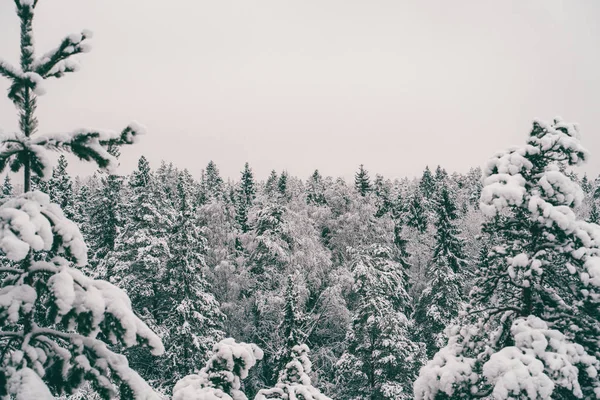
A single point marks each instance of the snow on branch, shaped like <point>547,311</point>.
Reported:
<point>221,378</point>
<point>57,62</point>
<point>31,222</point>
<point>86,144</point>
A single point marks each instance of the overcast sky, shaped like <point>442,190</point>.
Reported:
<point>325,84</point>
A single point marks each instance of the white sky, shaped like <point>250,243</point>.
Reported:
<point>325,84</point>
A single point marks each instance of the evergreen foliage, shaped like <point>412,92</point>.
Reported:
<point>362,182</point>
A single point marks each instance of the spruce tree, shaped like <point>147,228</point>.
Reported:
<point>193,324</point>
<point>315,191</point>
<point>213,182</point>
<point>380,361</point>
<point>531,329</point>
<point>222,376</point>
<point>362,182</point>
<point>441,301</point>
<point>427,184</point>
<point>7,187</point>
<point>60,187</point>
<point>382,190</point>
<point>271,184</point>
<point>594,214</point>
<point>292,327</point>
<point>294,381</point>
<point>57,323</point>
<point>246,193</point>
<point>282,184</point>
<point>415,213</point>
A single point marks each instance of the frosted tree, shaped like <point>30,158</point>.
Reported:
<point>415,213</point>
<point>246,193</point>
<point>294,381</point>
<point>213,182</point>
<point>362,182</point>
<point>193,325</point>
<point>60,187</point>
<point>381,360</point>
<point>271,184</point>
<point>594,213</point>
<point>315,190</point>
<point>7,187</point>
<point>282,184</point>
<point>442,298</point>
<point>532,327</point>
<point>58,324</point>
<point>292,327</point>
<point>222,376</point>
<point>382,190</point>
<point>427,184</point>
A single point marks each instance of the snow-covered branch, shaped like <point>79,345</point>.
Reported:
<point>57,62</point>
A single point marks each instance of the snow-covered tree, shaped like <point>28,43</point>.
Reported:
<point>362,182</point>
<point>221,378</point>
<point>292,327</point>
<point>442,298</point>
<point>315,191</point>
<point>415,213</point>
<point>7,187</point>
<point>271,184</point>
<point>60,187</point>
<point>427,184</point>
<point>58,325</point>
<point>193,324</point>
<point>246,193</point>
<point>282,184</point>
<point>532,326</point>
<point>381,360</point>
<point>294,382</point>
<point>213,183</point>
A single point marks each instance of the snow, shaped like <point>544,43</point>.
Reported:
<point>229,364</point>
<point>15,300</point>
<point>30,222</point>
<point>25,384</point>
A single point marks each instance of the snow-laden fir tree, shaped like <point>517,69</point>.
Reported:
<point>292,327</point>
<point>245,195</point>
<point>594,213</point>
<point>271,184</point>
<point>362,182</point>
<point>60,187</point>
<point>442,298</point>
<point>315,189</point>
<point>138,262</point>
<point>294,383</point>
<point>106,218</point>
<point>7,187</point>
<point>213,183</point>
<point>427,184</point>
<point>193,324</point>
<point>380,361</point>
<point>57,324</point>
<point>382,190</point>
<point>221,378</point>
<point>532,327</point>
<point>282,184</point>
<point>415,214</point>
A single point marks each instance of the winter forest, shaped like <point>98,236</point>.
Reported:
<point>157,285</point>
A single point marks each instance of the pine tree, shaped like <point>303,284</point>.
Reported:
<point>57,324</point>
<point>440,175</point>
<point>315,191</point>
<point>60,187</point>
<point>532,326</point>
<point>594,214</point>
<point>586,185</point>
<point>7,187</point>
<point>427,184</point>
<point>382,190</point>
<point>294,381</point>
<point>245,196</point>
<point>362,182</point>
<point>221,377</point>
<point>381,360</point>
<point>292,327</point>
<point>415,214</point>
<point>441,301</point>
<point>213,181</point>
<point>282,184</point>
<point>271,184</point>
<point>193,325</point>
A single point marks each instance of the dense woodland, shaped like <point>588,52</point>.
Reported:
<point>484,284</point>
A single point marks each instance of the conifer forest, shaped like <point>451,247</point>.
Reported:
<point>157,284</point>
